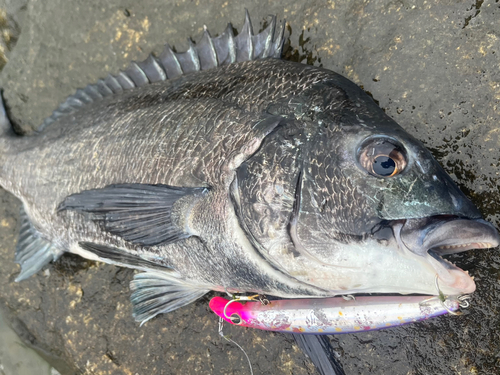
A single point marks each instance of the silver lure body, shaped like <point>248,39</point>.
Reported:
<point>332,315</point>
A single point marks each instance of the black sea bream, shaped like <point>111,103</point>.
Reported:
<point>225,168</point>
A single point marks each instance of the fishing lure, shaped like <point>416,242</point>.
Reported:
<point>332,315</point>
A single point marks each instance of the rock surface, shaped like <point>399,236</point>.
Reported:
<point>16,358</point>
<point>433,66</point>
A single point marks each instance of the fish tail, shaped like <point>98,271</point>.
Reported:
<point>6,135</point>
<point>5,125</point>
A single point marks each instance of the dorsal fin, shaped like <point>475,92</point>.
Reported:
<point>208,53</point>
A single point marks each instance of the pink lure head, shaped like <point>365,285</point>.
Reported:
<point>234,311</point>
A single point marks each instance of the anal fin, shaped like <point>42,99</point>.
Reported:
<point>32,251</point>
<point>156,293</point>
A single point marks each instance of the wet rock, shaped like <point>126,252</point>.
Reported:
<point>433,67</point>
<point>11,17</point>
<point>16,358</point>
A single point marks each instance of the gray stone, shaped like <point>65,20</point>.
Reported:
<point>16,358</point>
<point>433,66</point>
<point>11,19</point>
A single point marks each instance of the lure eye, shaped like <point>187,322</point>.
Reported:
<point>382,158</point>
<point>236,319</point>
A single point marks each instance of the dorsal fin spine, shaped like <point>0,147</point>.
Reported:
<point>278,43</point>
<point>231,44</point>
<point>136,74</point>
<point>170,63</point>
<point>208,53</point>
<point>269,40</point>
<point>103,88</point>
<point>152,69</point>
<point>65,106</point>
<point>243,41</point>
<point>74,101</point>
<point>249,36</point>
<point>193,55</point>
<point>113,84</point>
<point>92,92</point>
<point>124,80</point>
<point>82,95</point>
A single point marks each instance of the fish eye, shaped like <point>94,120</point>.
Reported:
<point>382,157</point>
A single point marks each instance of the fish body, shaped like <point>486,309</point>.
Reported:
<point>225,168</point>
<point>330,316</point>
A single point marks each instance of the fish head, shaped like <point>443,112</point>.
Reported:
<point>374,212</point>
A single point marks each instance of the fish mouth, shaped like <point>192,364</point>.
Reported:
<point>433,237</point>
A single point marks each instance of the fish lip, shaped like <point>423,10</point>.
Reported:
<point>469,234</point>
<point>446,235</point>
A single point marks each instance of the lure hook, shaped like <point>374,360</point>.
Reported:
<point>264,301</point>
<point>348,297</point>
<point>463,300</point>
<point>236,298</point>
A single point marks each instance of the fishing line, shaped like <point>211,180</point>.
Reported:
<point>221,325</point>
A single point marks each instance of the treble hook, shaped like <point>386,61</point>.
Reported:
<point>348,297</point>
<point>238,299</point>
<point>264,301</point>
<point>463,300</point>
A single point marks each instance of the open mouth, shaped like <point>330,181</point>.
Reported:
<point>443,235</point>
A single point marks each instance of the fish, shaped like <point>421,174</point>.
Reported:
<point>227,168</point>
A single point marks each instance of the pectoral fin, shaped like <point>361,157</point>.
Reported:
<point>138,213</point>
<point>156,293</point>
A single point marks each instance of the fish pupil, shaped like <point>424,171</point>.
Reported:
<point>384,165</point>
